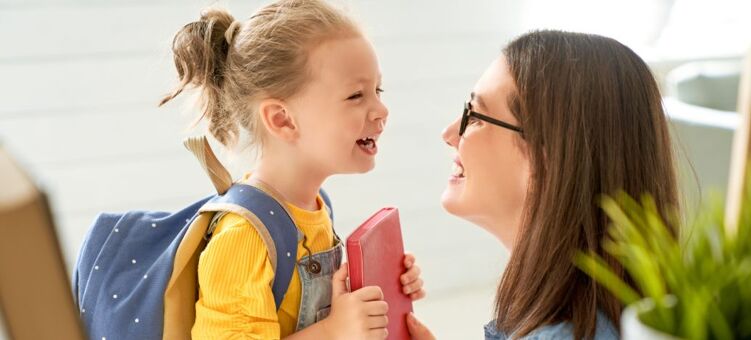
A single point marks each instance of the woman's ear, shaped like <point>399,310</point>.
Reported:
<point>277,120</point>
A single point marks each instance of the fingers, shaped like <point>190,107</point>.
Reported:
<point>417,329</point>
<point>378,333</point>
<point>339,281</point>
<point>380,321</point>
<point>411,281</point>
<point>409,260</point>
<point>369,293</point>
<point>420,294</point>
<point>411,275</point>
<point>377,308</point>
<point>412,287</point>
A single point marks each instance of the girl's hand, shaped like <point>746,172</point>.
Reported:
<point>411,281</point>
<point>356,315</point>
<point>417,329</point>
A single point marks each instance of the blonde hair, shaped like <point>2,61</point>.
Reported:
<point>237,64</point>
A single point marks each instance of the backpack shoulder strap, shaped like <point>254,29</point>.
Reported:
<point>330,209</point>
<point>256,206</point>
<point>262,207</point>
<point>274,224</point>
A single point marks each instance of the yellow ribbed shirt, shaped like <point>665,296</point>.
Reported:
<point>235,300</point>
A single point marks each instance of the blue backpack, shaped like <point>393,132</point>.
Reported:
<point>137,272</point>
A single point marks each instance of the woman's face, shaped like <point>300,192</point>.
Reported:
<point>488,186</point>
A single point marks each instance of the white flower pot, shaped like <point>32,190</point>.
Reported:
<point>633,329</point>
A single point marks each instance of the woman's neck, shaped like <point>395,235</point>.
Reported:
<point>296,183</point>
<point>503,227</point>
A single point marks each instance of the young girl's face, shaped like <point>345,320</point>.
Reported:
<point>491,171</point>
<point>339,112</point>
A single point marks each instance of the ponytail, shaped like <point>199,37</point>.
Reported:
<point>200,52</point>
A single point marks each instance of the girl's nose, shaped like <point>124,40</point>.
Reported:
<point>379,112</point>
<point>451,134</point>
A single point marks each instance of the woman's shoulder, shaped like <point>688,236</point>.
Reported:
<point>605,331</point>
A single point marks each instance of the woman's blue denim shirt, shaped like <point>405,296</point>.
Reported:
<point>564,330</point>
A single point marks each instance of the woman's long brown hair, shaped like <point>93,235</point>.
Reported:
<point>593,124</point>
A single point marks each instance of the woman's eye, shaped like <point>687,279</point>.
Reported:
<point>472,120</point>
<point>379,91</point>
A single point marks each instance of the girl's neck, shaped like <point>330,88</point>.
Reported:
<point>297,184</point>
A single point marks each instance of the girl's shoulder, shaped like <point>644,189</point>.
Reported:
<point>605,331</point>
<point>231,233</point>
<point>225,224</point>
<point>228,221</point>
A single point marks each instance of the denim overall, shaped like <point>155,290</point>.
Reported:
<point>316,272</point>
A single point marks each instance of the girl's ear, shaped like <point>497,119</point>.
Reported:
<point>277,120</point>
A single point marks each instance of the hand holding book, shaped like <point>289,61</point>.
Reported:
<point>376,257</point>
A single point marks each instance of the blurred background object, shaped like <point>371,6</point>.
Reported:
<point>34,284</point>
<point>81,78</point>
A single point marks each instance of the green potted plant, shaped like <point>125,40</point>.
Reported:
<point>697,286</point>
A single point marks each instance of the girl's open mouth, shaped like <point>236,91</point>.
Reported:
<point>368,145</point>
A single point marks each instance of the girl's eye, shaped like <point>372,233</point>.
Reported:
<point>472,120</point>
<point>357,95</point>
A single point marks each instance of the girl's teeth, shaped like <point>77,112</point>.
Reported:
<point>458,170</point>
<point>366,143</point>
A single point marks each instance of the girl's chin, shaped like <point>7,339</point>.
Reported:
<point>358,167</point>
<point>365,166</point>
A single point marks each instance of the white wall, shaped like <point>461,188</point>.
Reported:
<point>80,80</point>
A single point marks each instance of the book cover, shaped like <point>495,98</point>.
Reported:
<point>375,253</point>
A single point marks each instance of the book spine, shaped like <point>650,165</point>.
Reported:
<point>355,263</point>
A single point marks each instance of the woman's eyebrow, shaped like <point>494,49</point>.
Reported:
<point>478,99</point>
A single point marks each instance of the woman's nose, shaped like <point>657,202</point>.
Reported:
<point>451,134</point>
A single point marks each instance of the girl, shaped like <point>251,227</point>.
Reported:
<point>557,120</point>
<point>302,79</point>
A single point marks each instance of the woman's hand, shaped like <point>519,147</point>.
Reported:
<point>411,281</point>
<point>417,329</point>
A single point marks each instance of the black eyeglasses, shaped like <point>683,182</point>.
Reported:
<point>469,113</point>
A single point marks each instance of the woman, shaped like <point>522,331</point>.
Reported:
<point>557,120</point>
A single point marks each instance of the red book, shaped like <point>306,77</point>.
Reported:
<point>375,253</point>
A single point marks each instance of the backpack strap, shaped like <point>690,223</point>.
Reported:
<point>272,222</point>
<point>330,209</point>
<point>277,196</point>
<point>327,201</point>
<point>260,205</point>
<point>218,174</point>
